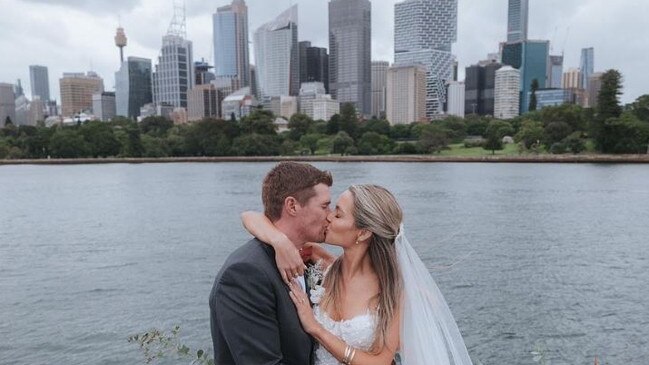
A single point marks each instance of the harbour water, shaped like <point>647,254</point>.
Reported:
<point>538,262</point>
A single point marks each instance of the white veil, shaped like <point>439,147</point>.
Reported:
<point>429,334</point>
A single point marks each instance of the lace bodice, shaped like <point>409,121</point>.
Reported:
<point>357,332</point>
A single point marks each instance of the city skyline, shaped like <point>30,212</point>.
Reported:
<point>481,27</point>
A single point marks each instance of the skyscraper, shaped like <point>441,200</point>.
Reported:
<point>350,53</point>
<point>424,32</point>
<point>572,79</point>
<point>202,73</point>
<point>314,64</point>
<point>556,72</point>
<point>40,82</point>
<point>587,65</point>
<point>103,106</point>
<point>406,94</point>
<point>517,19</point>
<point>480,84</point>
<point>531,58</point>
<point>379,81</point>
<point>594,87</point>
<point>77,90</point>
<point>455,98</point>
<point>507,93</point>
<point>7,103</point>
<point>231,51</point>
<point>174,73</point>
<point>133,86</point>
<point>277,56</point>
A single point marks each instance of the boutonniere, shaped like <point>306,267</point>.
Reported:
<point>315,277</point>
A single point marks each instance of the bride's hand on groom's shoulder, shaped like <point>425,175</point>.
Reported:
<point>303,306</point>
<point>289,261</point>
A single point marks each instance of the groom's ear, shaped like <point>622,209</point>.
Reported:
<point>291,206</point>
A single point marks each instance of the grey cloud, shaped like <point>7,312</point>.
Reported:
<point>93,6</point>
<point>618,33</point>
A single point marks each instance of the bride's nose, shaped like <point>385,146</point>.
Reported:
<point>329,217</point>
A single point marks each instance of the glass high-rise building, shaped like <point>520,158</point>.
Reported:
<point>231,51</point>
<point>174,73</point>
<point>133,86</point>
<point>587,65</point>
<point>314,64</point>
<point>424,32</point>
<point>40,82</point>
<point>277,56</point>
<point>480,85</point>
<point>350,53</point>
<point>531,58</point>
<point>379,85</point>
<point>517,19</point>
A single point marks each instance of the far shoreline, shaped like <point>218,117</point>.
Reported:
<point>605,159</point>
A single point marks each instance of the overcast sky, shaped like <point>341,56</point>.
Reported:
<point>77,35</point>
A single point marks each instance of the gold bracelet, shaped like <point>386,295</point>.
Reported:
<point>348,351</point>
<point>351,357</point>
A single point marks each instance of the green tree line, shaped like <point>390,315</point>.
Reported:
<point>610,129</point>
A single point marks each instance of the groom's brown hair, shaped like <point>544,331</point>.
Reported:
<point>290,179</point>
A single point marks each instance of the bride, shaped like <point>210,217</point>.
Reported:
<point>377,298</point>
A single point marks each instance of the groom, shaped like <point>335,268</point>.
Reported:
<point>252,317</point>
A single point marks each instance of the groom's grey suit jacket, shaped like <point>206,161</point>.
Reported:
<point>252,317</point>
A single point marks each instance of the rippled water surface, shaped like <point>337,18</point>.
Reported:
<point>531,257</point>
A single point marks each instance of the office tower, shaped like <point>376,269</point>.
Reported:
<point>133,86</point>
<point>480,84</point>
<point>302,46</point>
<point>507,93</point>
<point>36,111</point>
<point>379,83</point>
<point>455,98</point>
<point>314,64</point>
<point>406,94</point>
<point>231,54</point>
<point>555,72</point>
<point>350,53</point>
<point>120,42</point>
<point>77,90</point>
<point>594,87</point>
<point>277,56</point>
<point>308,92</point>
<point>587,65</point>
<point>174,73</point>
<point>202,73</point>
<point>572,79</point>
<point>204,102</point>
<point>531,58</point>
<point>517,19</point>
<point>40,82</point>
<point>424,32</point>
<point>103,106</point>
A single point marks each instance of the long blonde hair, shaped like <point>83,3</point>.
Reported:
<point>376,210</point>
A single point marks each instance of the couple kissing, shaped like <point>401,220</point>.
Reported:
<point>374,303</point>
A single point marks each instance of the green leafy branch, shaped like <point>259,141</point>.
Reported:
<point>156,344</point>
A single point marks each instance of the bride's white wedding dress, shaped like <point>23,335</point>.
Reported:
<point>428,332</point>
<point>357,332</point>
